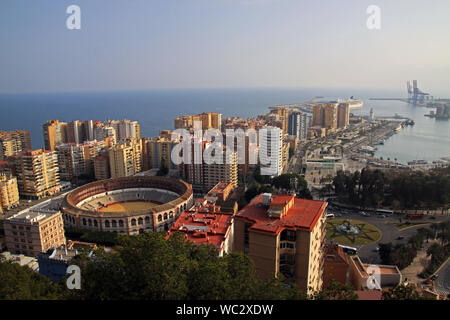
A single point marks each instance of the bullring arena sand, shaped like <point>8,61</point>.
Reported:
<point>128,206</point>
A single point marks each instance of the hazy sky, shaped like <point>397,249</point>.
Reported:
<point>144,44</point>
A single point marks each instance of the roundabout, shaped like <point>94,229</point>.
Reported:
<point>352,232</point>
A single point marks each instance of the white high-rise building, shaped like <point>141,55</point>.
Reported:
<point>270,151</point>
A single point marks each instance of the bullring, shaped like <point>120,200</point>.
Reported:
<point>129,205</point>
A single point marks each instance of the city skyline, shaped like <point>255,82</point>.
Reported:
<point>221,44</point>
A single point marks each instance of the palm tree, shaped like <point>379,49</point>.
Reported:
<point>434,227</point>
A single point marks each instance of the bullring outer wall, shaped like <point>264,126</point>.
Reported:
<point>157,218</point>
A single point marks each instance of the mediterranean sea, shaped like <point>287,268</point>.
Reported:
<point>429,139</point>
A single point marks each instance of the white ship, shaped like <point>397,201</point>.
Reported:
<point>353,103</point>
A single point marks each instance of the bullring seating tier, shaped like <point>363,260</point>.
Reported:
<point>146,194</point>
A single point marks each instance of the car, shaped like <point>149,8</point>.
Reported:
<point>400,238</point>
<point>433,218</point>
<point>429,281</point>
<point>434,277</point>
<point>382,216</point>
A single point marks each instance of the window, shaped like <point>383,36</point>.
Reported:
<point>287,259</point>
<point>246,233</point>
<point>287,245</point>
<point>288,235</point>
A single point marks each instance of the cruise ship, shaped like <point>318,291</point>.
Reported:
<point>353,103</point>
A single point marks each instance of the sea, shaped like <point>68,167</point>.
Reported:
<point>155,110</point>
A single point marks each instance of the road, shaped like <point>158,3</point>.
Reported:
<point>390,233</point>
<point>442,283</point>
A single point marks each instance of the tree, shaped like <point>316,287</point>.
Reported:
<point>401,292</point>
<point>336,291</point>
<point>22,283</point>
<point>150,267</point>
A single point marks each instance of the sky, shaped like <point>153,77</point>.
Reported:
<point>151,44</point>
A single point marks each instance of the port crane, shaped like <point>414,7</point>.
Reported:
<point>415,95</point>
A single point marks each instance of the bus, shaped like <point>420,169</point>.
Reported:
<point>385,212</point>
<point>349,250</point>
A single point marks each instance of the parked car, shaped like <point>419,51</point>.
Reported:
<point>400,238</point>
<point>434,277</point>
<point>382,216</point>
<point>377,249</point>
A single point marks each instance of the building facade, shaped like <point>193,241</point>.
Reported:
<point>271,151</point>
<point>158,151</point>
<point>126,159</point>
<point>299,122</point>
<point>208,120</point>
<point>205,224</point>
<point>325,115</point>
<point>343,118</point>
<point>13,142</point>
<point>33,232</point>
<point>284,234</point>
<point>37,173</point>
<point>101,167</point>
<point>75,160</point>
<point>9,191</point>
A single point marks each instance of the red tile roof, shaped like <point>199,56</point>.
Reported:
<point>302,215</point>
<point>202,227</point>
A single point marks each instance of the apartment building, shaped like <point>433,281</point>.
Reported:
<point>54,134</point>
<point>102,132</point>
<point>208,120</point>
<point>126,159</point>
<point>13,142</point>
<point>205,224</point>
<point>158,151</point>
<point>32,232</point>
<point>125,129</point>
<point>101,167</point>
<point>349,270</point>
<point>343,115</point>
<point>284,235</point>
<point>224,171</point>
<point>76,160</point>
<point>299,122</point>
<point>271,151</point>
<point>37,173</point>
<point>282,116</point>
<point>9,191</point>
<point>221,196</point>
<point>325,115</point>
<point>245,143</point>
